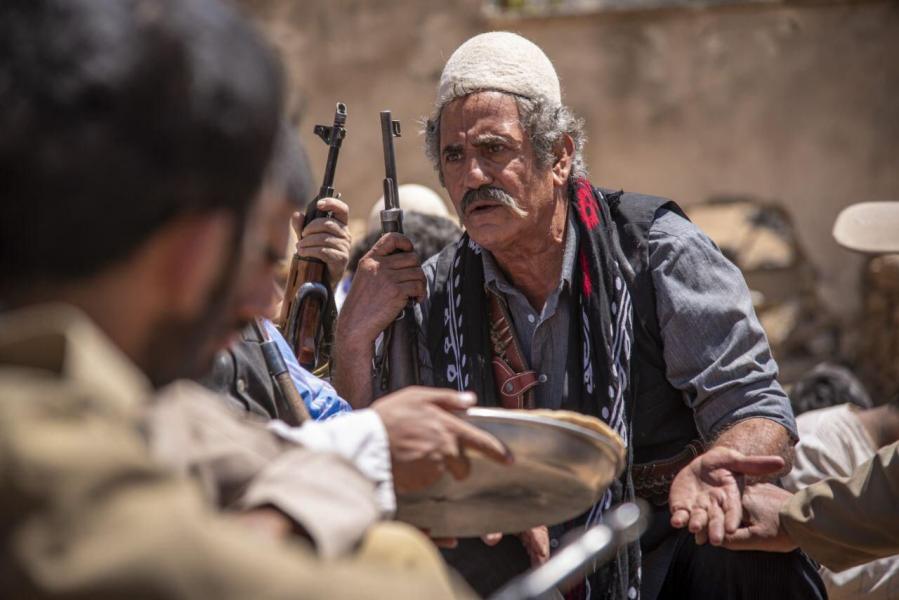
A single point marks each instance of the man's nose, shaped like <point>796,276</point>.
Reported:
<point>475,174</point>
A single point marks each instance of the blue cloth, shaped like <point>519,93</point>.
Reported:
<point>321,399</point>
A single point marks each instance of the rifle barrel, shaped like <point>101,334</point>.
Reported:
<point>389,130</point>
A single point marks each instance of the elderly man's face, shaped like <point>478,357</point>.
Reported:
<point>482,146</point>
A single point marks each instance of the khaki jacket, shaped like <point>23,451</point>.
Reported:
<point>846,522</point>
<point>240,464</point>
<point>88,512</point>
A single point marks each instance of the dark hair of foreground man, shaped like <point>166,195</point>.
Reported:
<point>118,117</point>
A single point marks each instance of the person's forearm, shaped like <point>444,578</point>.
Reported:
<point>759,437</point>
<point>351,373</point>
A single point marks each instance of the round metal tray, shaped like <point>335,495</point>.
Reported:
<point>560,470</point>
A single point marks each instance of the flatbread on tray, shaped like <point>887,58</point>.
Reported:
<point>586,421</point>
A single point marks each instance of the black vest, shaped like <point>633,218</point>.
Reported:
<point>241,378</point>
<point>663,423</point>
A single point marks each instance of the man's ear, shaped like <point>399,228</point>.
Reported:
<point>564,157</point>
<point>193,251</point>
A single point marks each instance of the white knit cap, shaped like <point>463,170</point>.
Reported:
<point>501,61</point>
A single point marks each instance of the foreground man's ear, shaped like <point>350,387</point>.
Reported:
<point>564,158</point>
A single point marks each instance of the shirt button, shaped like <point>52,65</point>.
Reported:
<point>554,543</point>
<point>531,318</point>
<point>542,378</point>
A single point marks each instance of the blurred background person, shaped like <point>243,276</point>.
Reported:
<point>848,520</point>
<point>240,372</point>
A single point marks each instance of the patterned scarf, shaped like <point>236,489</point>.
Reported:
<point>598,368</point>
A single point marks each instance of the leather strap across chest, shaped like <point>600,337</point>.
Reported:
<point>515,382</point>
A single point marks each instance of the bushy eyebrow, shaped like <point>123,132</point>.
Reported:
<point>486,139</point>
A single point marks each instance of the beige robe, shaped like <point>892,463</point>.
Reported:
<point>88,512</point>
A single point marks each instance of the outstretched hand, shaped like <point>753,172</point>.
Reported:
<point>705,495</point>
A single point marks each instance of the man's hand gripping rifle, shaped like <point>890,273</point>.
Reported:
<point>307,313</point>
<point>399,364</point>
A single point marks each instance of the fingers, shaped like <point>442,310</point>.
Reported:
<point>536,542</point>
<point>492,539</point>
<point>338,209</point>
<point>474,438</point>
<point>680,517</point>
<point>296,221</point>
<point>402,261</point>
<point>716,524</point>
<point>699,520</point>
<point>468,435</point>
<point>733,508</point>
<point>741,539</point>
<point>390,243</point>
<point>411,289</point>
<point>737,462</point>
<point>329,226</point>
<point>441,542</point>
<point>329,256</point>
<point>324,240</point>
<point>445,398</point>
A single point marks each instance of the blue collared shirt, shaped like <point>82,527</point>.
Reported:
<point>715,350</point>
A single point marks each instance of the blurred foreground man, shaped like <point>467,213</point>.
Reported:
<point>563,295</point>
<point>134,137</point>
<point>846,521</point>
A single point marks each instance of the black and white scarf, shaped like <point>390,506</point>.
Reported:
<point>598,368</point>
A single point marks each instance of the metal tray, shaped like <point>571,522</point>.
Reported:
<point>560,471</point>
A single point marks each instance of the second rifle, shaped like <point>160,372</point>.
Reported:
<point>307,294</point>
<point>399,366</point>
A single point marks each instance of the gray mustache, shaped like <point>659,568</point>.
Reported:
<point>493,194</point>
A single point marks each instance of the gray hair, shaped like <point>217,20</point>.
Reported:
<point>544,126</point>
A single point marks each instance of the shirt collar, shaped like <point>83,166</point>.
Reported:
<point>61,340</point>
<point>496,280</point>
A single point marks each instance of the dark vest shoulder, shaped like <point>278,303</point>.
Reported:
<point>663,423</point>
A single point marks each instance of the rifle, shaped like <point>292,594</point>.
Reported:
<point>308,296</point>
<point>291,408</point>
<point>399,363</point>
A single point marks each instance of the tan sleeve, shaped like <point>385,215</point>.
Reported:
<point>243,465</point>
<point>87,513</point>
<point>846,522</point>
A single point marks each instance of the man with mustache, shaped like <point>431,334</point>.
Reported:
<point>568,296</point>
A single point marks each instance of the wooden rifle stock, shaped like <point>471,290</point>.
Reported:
<point>399,365</point>
<point>307,293</point>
